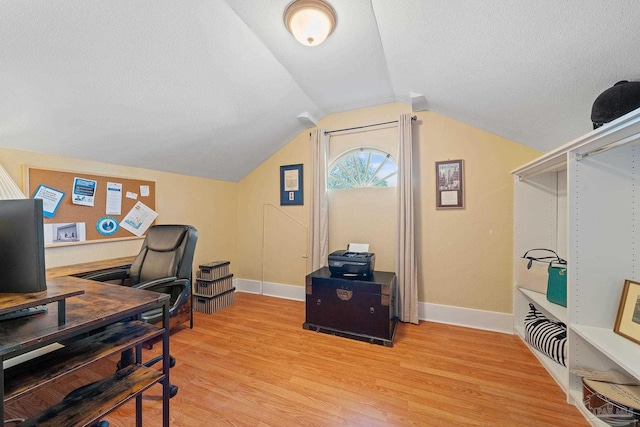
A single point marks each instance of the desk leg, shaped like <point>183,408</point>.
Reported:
<point>139,396</point>
<point>2,391</point>
<point>190,312</point>
<point>165,365</point>
<point>62,312</point>
<point>128,357</point>
<point>191,302</point>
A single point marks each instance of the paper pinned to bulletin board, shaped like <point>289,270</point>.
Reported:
<point>100,218</point>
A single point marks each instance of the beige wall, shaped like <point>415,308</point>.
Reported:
<point>274,238</point>
<point>364,215</point>
<point>464,256</point>
<point>207,204</point>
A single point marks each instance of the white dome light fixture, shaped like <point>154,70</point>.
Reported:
<point>310,21</point>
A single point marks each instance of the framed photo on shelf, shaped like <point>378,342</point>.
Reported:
<point>628,318</point>
<point>291,185</point>
<point>449,184</point>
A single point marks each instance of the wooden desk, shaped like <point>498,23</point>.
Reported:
<point>86,340</point>
<point>90,267</point>
<point>185,314</point>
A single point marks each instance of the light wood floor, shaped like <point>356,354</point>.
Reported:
<point>252,364</point>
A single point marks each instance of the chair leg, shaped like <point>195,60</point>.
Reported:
<point>173,390</point>
<point>126,358</point>
<point>149,363</point>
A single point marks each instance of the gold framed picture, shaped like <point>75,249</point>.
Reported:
<point>628,318</point>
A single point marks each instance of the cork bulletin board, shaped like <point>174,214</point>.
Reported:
<point>68,219</point>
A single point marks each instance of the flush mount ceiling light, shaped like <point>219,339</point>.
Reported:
<point>310,21</point>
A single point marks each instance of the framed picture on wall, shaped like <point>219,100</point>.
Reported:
<point>291,185</point>
<point>628,318</point>
<point>449,184</point>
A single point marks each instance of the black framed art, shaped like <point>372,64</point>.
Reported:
<point>291,185</point>
<point>449,184</point>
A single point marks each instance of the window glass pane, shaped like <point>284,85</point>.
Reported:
<point>363,167</point>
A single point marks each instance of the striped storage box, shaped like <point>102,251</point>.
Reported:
<point>209,288</point>
<point>215,303</point>
<point>213,270</point>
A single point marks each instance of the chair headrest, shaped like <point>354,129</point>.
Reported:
<point>165,238</point>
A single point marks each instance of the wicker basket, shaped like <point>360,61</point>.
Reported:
<point>613,404</point>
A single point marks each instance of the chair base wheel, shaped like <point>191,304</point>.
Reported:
<point>173,390</point>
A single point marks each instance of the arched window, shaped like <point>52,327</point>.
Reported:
<point>363,167</point>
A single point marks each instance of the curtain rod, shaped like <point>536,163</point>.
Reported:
<point>366,126</point>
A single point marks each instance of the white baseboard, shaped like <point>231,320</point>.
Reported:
<point>248,286</point>
<point>296,293</point>
<point>467,317</point>
<point>459,316</point>
<point>277,290</point>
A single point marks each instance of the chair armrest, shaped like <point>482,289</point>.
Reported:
<point>150,284</point>
<point>107,275</point>
<point>177,288</point>
<point>184,295</point>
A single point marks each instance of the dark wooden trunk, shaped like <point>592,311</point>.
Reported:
<point>354,307</point>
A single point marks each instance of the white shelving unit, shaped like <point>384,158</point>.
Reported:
<point>580,200</point>
<point>540,300</point>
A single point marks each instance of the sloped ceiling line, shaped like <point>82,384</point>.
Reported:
<point>169,85</point>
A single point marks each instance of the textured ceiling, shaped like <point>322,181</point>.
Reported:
<point>213,88</point>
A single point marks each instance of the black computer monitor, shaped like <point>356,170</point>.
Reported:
<point>22,268</point>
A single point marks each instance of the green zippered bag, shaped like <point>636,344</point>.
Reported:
<point>557,284</point>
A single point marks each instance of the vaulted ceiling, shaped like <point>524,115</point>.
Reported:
<point>212,88</point>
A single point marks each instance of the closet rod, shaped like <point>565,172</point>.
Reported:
<point>327,132</point>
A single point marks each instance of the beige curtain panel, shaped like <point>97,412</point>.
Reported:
<point>319,209</point>
<point>406,264</point>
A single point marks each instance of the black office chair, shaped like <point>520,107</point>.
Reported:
<point>163,265</point>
